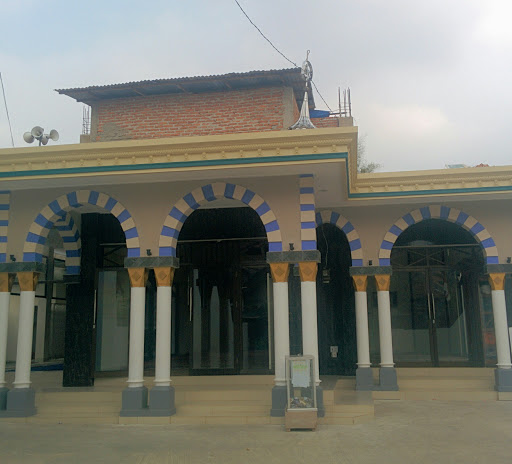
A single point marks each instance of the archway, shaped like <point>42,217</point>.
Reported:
<point>211,192</point>
<point>221,291</point>
<point>438,309</point>
<point>34,248</point>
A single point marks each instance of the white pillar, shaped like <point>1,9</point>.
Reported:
<point>281,331</point>
<point>4,317</point>
<point>163,337</point>
<point>309,322</point>
<point>386,339</point>
<point>137,321</point>
<point>136,354</point>
<point>25,333</point>
<point>281,320</point>
<point>363,341</point>
<point>499,311</point>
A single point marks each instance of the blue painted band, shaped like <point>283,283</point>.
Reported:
<point>425,212</point>
<point>93,198</point>
<point>308,225</point>
<point>3,239</point>
<point>305,175</point>
<point>488,243</point>
<point>307,207</point>
<point>306,190</point>
<point>4,207</point>
<point>334,217</point>
<point>357,262</point>
<point>271,226</point>
<point>208,192</point>
<point>409,219</point>
<point>131,233</point>
<point>384,262</point>
<point>319,219</point>
<point>248,196</point>
<point>73,270</point>
<point>73,253</point>
<point>308,245</point>
<point>170,232</point>
<point>445,212</point>
<point>355,244</point>
<point>109,205</point>
<point>124,216</point>
<point>32,257</point>
<point>55,207</point>
<point>477,228</point>
<point>34,238</point>
<point>133,253</point>
<point>229,191</point>
<point>262,209</point>
<point>4,223</point>
<point>177,214</point>
<point>492,260</point>
<point>275,246</point>
<point>347,228</point>
<point>167,251</point>
<point>395,230</point>
<point>72,199</point>
<point>386,245</point>
<point>462,217</point>
<point>191,201</point>
<point>3,257</point>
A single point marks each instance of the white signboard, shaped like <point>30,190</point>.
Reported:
<point>301,372</point>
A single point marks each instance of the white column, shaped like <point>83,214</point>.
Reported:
<point>25,333</point>
<point>163,337</point>
<point>386,340</point>
<point>281,331</point>
<point>4,317</point>
<point>499,311</point>
<point>363,341</point>
<point>137,321</point>
<point>309,322</point>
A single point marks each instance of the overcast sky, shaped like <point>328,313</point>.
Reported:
<point>430,81</point>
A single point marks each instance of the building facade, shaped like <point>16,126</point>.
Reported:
<point>192,229</point>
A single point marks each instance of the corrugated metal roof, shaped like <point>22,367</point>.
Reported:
<point>290,77</point>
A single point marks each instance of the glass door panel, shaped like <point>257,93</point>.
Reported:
<point>214,320</point>
<point>410,322</point>
<point>448,318</point>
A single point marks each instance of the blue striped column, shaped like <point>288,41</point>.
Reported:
<point>72,243</point>
<point>307,212</point>
<point>4,223</point>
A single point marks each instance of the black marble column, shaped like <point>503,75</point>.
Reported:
<point>79,338</point>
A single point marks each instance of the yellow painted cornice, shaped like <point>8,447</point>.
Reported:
<point>434,180</point>
<point>272,145</point>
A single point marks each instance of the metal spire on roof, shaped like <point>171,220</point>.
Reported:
<point>304,122</point>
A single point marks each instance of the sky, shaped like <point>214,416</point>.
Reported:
<point>430,81</point>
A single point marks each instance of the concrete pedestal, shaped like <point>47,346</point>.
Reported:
<point>387,379</point>
<point>279,401</point>
<point>364,379</point>
<point>135,402</point>
<point>503,380</point>
<point>21,402</point>
<point>3,398</point>
<point>161,401</point>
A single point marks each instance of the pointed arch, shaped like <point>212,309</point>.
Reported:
<point>336,219</point>
<point>447,214</point>
<point>210,192</point>
<point>54,214</point>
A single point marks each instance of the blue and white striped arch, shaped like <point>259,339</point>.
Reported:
<point>439,212</point>
<point>307,211</point>
<point>72,243</point>
<point>354,242</point>
<point>35,242</point>
<point>193,200</point>
<point>4,223</point>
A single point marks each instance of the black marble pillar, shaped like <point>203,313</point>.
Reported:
<point>79,338</point>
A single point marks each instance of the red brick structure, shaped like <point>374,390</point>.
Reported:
<point>257,101</point>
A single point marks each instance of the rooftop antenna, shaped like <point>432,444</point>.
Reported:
<point>307,74</point>
<point>37,133</point>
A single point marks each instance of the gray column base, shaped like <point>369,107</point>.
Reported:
<point>503,380</point>
<point>161,401</point>
<point>387,379</point>
<point>320,402</point>
<point>279,401</point>
<point>3,398</point>
<point>364,379</point>
<point>21,402</point>
<point>135,402</point>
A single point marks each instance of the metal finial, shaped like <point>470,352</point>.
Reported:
<point>307,74</point>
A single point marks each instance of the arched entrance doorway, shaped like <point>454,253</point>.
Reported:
<point>221,295</point>
<point>336,305</point>
<point>435,296</point>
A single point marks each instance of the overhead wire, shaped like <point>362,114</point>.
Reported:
<point>6,110</point>
<point>279,51</point>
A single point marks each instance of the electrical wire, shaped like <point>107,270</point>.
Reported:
<point>279,51</point>
<point>6,110</point>
<point>265,37</point>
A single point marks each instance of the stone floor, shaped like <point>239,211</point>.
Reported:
<point>402,432</point>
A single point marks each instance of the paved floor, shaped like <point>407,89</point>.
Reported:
<point>403,432</point>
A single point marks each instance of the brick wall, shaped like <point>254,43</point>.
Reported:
<point>325,122</point>
<point>256,110</point>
